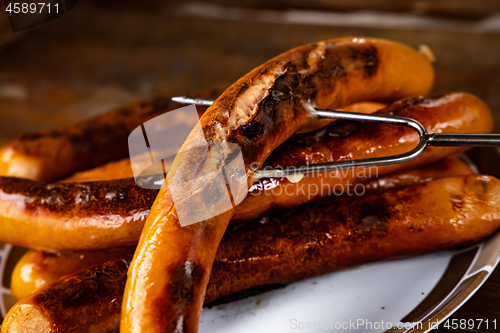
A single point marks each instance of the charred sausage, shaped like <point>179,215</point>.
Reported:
<point>169,273</point>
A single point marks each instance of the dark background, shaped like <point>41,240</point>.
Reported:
<point>97,57</point>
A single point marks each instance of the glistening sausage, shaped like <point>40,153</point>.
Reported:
<point>89,216</point>
<point>53,154</point>
<point>169,273</point>
<point>37,268</point>
<point>316,238</point>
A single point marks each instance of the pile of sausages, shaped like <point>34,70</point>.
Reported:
<point>107,254</point>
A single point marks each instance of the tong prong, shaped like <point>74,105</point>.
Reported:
<point>193,100</point>
<point>285,171</point>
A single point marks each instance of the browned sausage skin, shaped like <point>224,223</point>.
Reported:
<point>53,154</point>
<point>446,167</point>
<point>93,215</point>
<point>89,216</point>
<point>37,268</point>
<point>403,221</point>
<point>169,273</point>
<point>320,237</point>
<point>94,293</point>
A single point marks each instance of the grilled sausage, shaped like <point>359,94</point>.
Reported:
<point>92,142</point>
<point>96,296</point>
<point>355,140</point>
<point>37,268</point>
<point>169,273</point>
<point>338,234</point>
<point>122,168</point>
<point>53,154</point>
<point>446,167</point>
<point>89,216</point>
<point>317,238</point>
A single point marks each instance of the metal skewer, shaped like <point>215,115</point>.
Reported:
<point>426,139</point>
<point>193,100</point>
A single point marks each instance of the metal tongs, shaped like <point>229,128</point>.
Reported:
<point>426,139</point>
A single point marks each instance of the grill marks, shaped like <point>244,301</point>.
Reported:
<point>113,126</point>
<point>120,197</point>
<point>55,154</point>
<point>314,239</point>
<point>252,129</point>
<point>186,278</point>
<point>245,105</point>
<point>374,214</point>
<point>330,67</point>
<point>280,91</point>
<point>365,59</point>
<point>332,220</point>
<point>301,80</point>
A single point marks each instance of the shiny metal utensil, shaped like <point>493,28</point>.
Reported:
<point>426,140</point>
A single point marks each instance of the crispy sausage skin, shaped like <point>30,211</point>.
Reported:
<point>37,268</point>
<point>320,237</point>
<point>169,273</point>
<point>404,221</point>
<point>90,216</point>
<point>62,217</point>
<point>446,167</point>
<point>93,142</point>
<point>53,154</point>
<point>95,295</point>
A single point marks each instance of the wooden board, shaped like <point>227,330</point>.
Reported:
<point>450,8</point>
